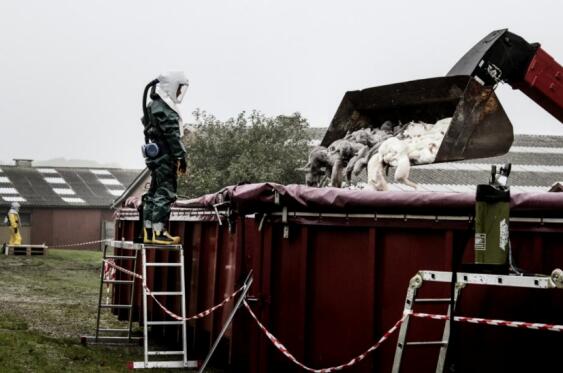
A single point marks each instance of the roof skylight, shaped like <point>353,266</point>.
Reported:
<point>8,191</point>
<point>101,172</point>
<point>55,180</point>
<point>13,199</point>
<point>64,191</point>
<point>73,200</point>
<point>109,181</point>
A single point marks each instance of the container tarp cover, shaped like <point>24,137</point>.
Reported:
<point>261,197</point>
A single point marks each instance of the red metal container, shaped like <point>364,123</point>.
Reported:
<point>331,270</point>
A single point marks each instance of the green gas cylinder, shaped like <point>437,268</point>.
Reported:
<point>492,213</point>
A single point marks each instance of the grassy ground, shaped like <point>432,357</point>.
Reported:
<point>46,303</point>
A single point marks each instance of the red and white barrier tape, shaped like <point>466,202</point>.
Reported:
<point>355,360</point>
<point>109,269</point>
<point>109,275</point>
<point>121,269</point>
<point>199,315</point>
<point>87,243</point>
<point>170,313</point>
<point>477,320</point>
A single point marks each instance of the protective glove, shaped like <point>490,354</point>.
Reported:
<point>182,166</point>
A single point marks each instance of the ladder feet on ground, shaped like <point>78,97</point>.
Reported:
<point>147,362</point>
<point>108,335</point>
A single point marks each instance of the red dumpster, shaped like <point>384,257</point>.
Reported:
<point>331,269</point>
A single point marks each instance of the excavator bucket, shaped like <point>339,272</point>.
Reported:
<point>479,126</point>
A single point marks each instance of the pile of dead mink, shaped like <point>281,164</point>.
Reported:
<point>376,149</point>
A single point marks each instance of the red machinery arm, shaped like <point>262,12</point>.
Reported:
<point>543,83</point>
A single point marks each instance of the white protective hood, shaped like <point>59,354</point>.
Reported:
<point>14,208</point>
<point>167,89</point>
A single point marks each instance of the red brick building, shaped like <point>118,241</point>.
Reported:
<point>62,205</point>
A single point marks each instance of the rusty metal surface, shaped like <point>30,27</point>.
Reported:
<point>336,284</point>
<point>479,127</point>
<point>504,56</point>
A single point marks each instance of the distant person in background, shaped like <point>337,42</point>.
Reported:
<point>164,153</point>
<point>13,220</point>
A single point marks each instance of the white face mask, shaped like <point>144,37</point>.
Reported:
<point>183,90</point>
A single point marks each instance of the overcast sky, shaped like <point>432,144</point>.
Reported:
<point>72,72</point>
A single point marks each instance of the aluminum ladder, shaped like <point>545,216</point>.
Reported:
<point>463,279</point>
<point>177,363</point>
<point>105,335</point>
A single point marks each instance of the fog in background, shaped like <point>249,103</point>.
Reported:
<point>72,72</point>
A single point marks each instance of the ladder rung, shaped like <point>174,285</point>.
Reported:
<point>433,300</point>
<point>165,322</point>
<point>113,330</point>
<point>165,364</point>
<point>534,282</point>
<point>427,343</point>
<point>161,353</point>
<point>120,257</point>
<point>115,306</point>
<point>169,247</point>
<point>114,338</point>
<point>118,281</point>
<point>166,292</point>
<point>163,264</point>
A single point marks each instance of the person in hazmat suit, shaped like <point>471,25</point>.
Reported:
<point>164,153</point>
<point>15,225</point>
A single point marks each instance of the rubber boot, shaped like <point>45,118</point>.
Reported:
<point>164,238</point>
<point>147,235</point>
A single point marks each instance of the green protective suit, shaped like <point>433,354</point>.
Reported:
<point>162,191</point>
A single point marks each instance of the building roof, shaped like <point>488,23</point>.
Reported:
<point>72,187</point>
<point>142,178</point>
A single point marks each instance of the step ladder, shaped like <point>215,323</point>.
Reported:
<point>148,354</point>
<point>462,279</point>
<point>105,335</point>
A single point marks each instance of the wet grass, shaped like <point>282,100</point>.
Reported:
<point>26,350</point>
<point>46,303</point>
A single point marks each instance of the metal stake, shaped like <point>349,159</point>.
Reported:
<point>247,284</point>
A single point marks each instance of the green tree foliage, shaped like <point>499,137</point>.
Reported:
<point>249,148</point>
